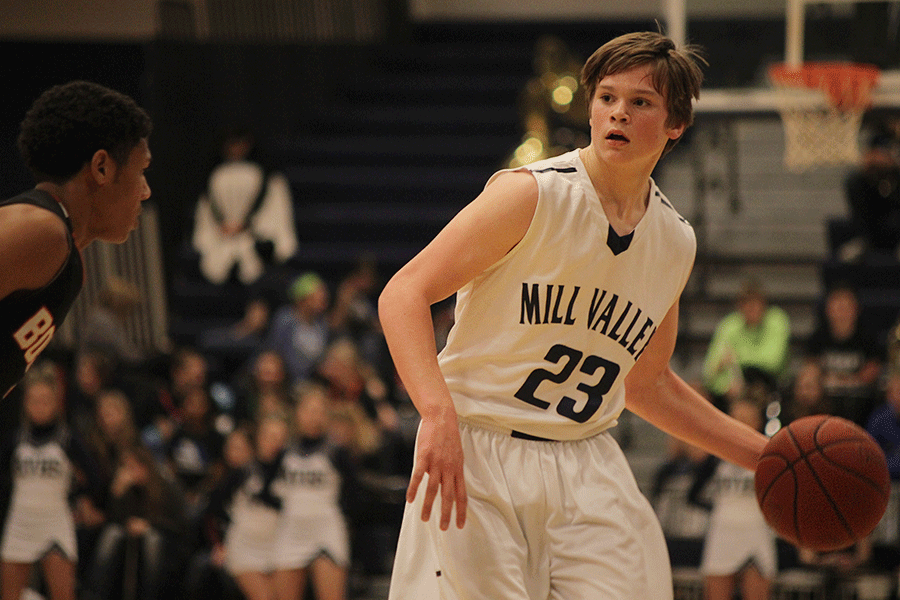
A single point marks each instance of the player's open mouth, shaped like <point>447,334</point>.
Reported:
<point>616,137</point>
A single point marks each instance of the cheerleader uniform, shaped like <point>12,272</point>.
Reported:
<point>253,517</point>
<point>310,482</point>
<point>42,463</point>
<point>738,534</point>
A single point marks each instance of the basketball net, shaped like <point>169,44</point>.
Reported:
<point>822,129</point>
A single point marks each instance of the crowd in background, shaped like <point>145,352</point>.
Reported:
<point>185,470</point>
<point>270,458</point>
<point>758,369</point>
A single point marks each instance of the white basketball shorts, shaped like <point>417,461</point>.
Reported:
<point>558,520</point>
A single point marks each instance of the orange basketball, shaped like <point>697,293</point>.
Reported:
<point>822,483</point>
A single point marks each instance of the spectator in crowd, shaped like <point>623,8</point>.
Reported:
<point>300,330</point>
<point>105,326</point>
<point>838,565</point>
<point>194,452</point>
<point>684,523</point>
<point>245,216</point>
<point>354,315</point>
<point>749,344</point>
<point>884,424</point>
<point>232,346</point>
<point>873,198</point>
<point>140,550</point>
<point>893,348</point>
<point>110,432</point>
<point>206,576</point>
<point>188,370</point>
<point>92,373</point>
<point>315,480</point>
<point>358,393</point>
<point>350,379</point>
<point>671,482</point>
<point>740,550</point>
<point>264,388</point>
<point>106,329</point>
<point>806,396</point>
<point>42,461</point>
<point>254,512</point>
<point>850,356</point>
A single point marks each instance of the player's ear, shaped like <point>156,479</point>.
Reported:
<point>102,167</point>
<point>675,132</point>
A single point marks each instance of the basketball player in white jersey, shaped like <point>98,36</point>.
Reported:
<point>567,274</point>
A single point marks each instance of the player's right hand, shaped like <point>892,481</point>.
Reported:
<point>439,454</point>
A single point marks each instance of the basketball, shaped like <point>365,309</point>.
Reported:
<point>822,483</point>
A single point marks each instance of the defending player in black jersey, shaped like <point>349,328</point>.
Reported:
<point>86,146</point>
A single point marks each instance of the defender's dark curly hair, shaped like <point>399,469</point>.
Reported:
<point>68,123</point>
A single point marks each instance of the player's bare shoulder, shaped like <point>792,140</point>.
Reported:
<point>516,182</point>
<point>34,246</point>
<point>510,198</point>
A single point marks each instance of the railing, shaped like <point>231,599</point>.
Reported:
<point>139,261</point>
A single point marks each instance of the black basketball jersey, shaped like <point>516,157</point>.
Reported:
<point>29,318</point>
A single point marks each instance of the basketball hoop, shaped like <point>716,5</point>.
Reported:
<point>822,106</point>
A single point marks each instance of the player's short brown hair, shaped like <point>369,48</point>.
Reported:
<point>677,72</point>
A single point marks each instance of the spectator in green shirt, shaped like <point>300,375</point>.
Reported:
<point>750,345</point>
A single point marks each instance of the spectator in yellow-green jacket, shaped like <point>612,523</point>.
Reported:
<point>750,345</point>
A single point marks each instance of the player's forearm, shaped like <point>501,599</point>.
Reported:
<point>405,316</point>
<point>673,406</point>
<point>719,433</point>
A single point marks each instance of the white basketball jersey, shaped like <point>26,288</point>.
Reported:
<point>545,337</point>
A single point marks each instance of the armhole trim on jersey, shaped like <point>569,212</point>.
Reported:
<point>528,232</point>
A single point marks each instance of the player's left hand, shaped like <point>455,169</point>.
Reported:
<point>439,454</point>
